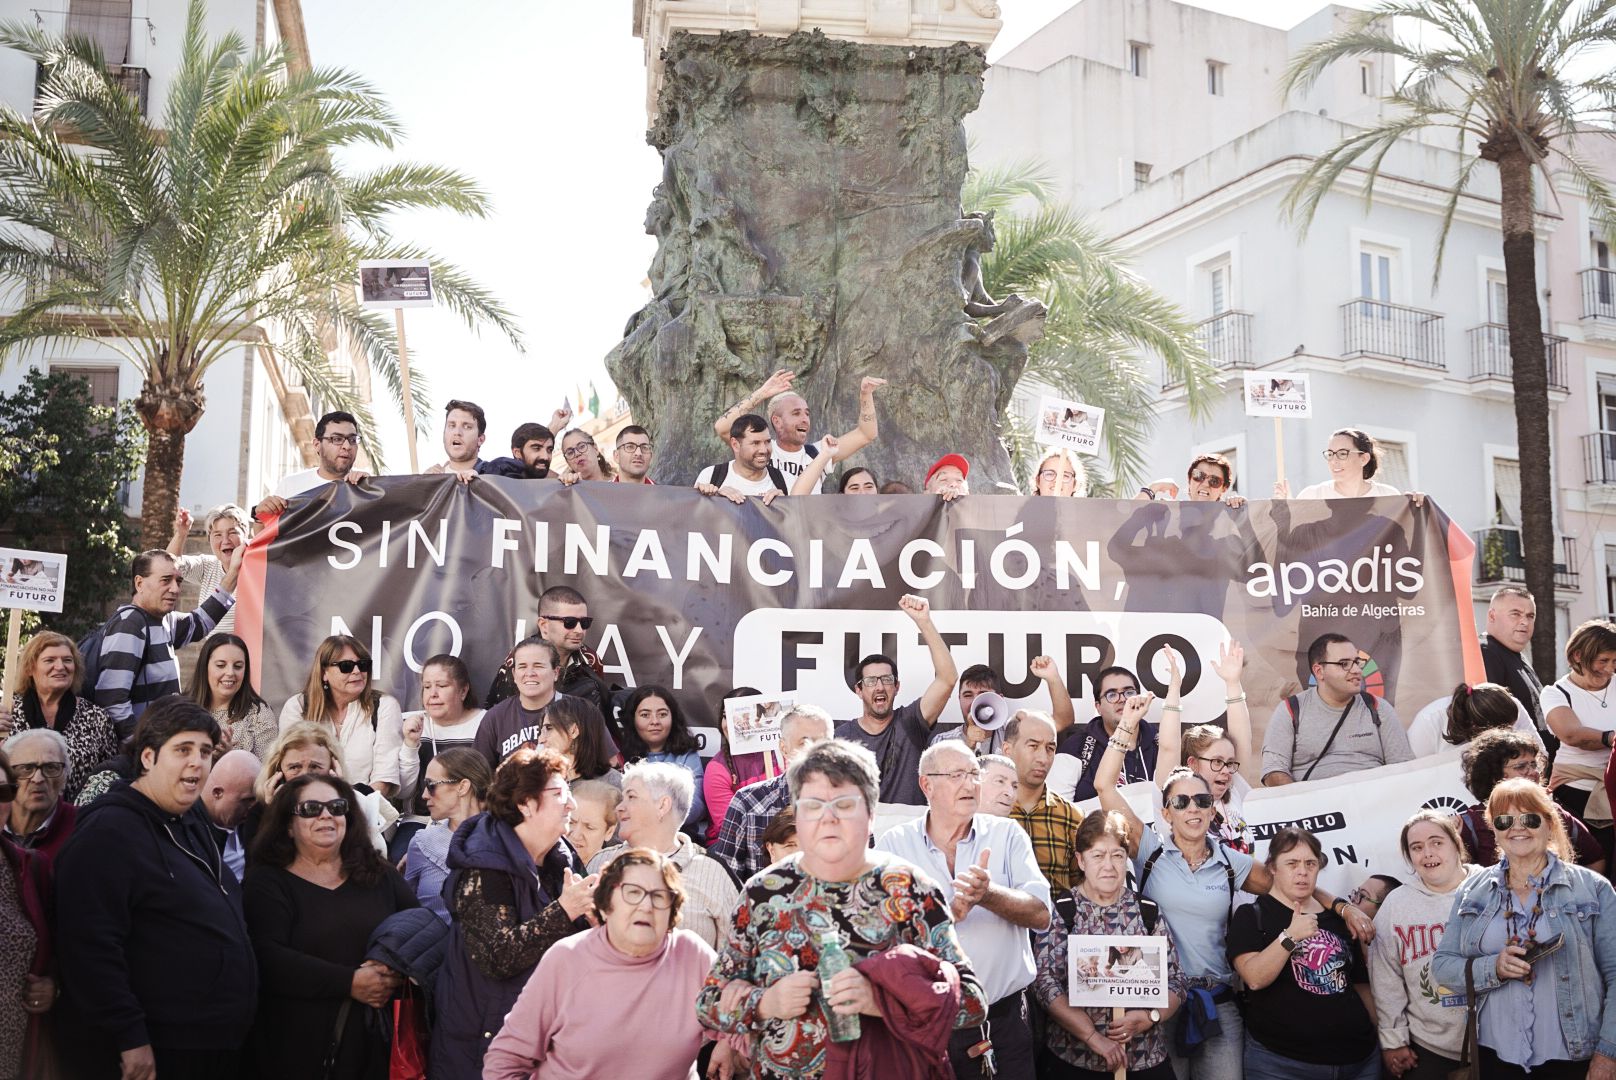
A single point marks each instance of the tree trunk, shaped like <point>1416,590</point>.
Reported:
<point>1529,361</point>
<point>168,413</point>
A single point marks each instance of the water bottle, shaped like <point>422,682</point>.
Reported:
<point>833,959</point>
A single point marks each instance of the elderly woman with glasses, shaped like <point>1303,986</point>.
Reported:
<point>315,891</point>
<point>1537,937</point>
<point>835,896</point>
<point>635,972</point>
<point>1195,882</point>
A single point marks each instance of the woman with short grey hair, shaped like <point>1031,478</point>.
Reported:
<point>227,527</point>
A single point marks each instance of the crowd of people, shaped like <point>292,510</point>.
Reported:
<point>548,878</point>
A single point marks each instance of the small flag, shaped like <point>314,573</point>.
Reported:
<point>594,401</point>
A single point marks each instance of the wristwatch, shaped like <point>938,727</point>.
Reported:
<point>1155,1016</point>
<point>1286,942</point>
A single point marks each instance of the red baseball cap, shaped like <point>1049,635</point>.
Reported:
<point>955,460</point>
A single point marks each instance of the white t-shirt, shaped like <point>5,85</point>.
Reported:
<point>793,465</point>
<point>734,479</point>
<point>1326,490</point>
<point>1425,733</point>
<point>299,482</point>
<point>1592,711</point>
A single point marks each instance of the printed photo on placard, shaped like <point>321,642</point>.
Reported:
<point>754,722</point>
<point>1117,970</point>
<point>32,580</point>
<point>385,285</point>
<point>1278,393</point>
<point>1069,424</point>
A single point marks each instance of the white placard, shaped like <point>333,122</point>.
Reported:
<point>1117,971</point>
<point>385,284</point>
<point>1069,424</point>
<point>754,722</point>
<point>32,580</point>
<point>1278,393</point>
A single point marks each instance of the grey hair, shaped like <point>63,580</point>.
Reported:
<point>51,735</point>
<point>1012,730</point>
<point>229,510</point>
<point>800,713</point>
<point>840,762</point>
<point>996,759</point>
<point>944,746</point>
<point>664,779</point>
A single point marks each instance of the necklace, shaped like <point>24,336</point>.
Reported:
<point>1512,918</point>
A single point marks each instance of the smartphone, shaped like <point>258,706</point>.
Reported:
<point>1539,949</point>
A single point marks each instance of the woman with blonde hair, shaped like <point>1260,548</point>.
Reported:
<point>1061,473</point>
<point>368,724</point>
<point>46,694</point>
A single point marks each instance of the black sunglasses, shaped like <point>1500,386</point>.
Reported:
<point>1182,802</point>
<point>572,622</point>
<point>1505,822</point>
<point>347,666</point>
<point>312,808</point>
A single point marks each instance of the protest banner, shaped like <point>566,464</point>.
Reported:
<point>754,722</point>
<point>1069,424</point>
<point>701,595</point>
<point>1123,971</point>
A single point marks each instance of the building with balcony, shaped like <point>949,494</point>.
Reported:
<point>1166,123</point>
<point>260,417</point>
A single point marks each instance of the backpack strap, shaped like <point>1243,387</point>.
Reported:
<point>720,474</point>
<point>811,450</point>
<point>1066,911</point>
<point>1149,914</point>
<point>1374,709</point>
<point>778,479</point>
<point>1296,715</point>
<point>1144,874</point>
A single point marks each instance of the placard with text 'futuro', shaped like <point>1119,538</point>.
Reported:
<point>1278,393</point>
<point>1127,971</point>
<point>32,580</point>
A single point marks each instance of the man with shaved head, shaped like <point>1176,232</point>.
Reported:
<point>1051,821</point>
<point>227,796</point>
<point>790,424</point>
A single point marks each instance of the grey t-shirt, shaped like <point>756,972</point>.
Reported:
<point>1358,745</point>
<point>897,750</point>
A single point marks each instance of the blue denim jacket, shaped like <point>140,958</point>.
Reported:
<point>1574,903</point>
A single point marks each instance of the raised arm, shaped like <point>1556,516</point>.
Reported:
<point>182,529</point>
<point>866,432</point>
<point>778,383</point>
<point>935,697</point>
<point>1229,667</point>
<point>808,482</point>
<point>1170,735</point>
<point>1110,768</point>
<point>1060,699</point>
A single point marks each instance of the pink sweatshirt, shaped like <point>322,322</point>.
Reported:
<point>583,999</point>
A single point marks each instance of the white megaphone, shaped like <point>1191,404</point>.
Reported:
<point>990,712</point>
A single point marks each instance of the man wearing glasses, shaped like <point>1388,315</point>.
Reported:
<point>1077,758</point>
<point>336,446</point>
<point>633,456</point>
<point>1334,726</point>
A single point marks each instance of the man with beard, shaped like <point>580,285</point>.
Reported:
<point>790,424</point>
<point>336,445</point>
<point>532,447</point>
<point>1333,727</point>
<point>1050,821</point>
<point>750,472</point>
<point>898,736</point>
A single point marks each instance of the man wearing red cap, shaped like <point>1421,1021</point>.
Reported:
<point>947,477</point>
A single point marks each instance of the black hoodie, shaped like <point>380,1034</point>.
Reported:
<point>152,942</point>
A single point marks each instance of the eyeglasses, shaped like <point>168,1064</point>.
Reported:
<point>313,808</point>
<point>560,791</point>
<point>1360,896</point>
<point>1182,802</point>
<point>1051,474</point>
<point>1506,822</point>
<point>340,440</point>
<point>1219,764</point>
<point>347,666</point>
<point>571,622</point>
<point>1211,480</point>
<point>1529,767</point>
<point>957,775</point>
<point>1354,664</point>
<point>814,809</point>
<point>578,450</point>
<point>634,447</point>
<point>8,792</point>
<point>1114,696</point>
<point>431,786</point>
<point>632,894</point>
<point>875,681</point>
<point>51,770</point>
<point>1339,455</point>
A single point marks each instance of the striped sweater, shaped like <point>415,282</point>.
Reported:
<point>138,665</point>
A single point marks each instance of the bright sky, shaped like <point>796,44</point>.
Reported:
<point>543,104</point>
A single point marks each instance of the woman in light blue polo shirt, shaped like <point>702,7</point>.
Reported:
<point>1194,880</point>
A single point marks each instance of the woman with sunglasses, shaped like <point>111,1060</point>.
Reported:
<point>1353,459</point>
<point>368,724</point>
<point>1210,752</point>
<point>1210,478</point>
<point>1497,756</point>
<point>1538,935</point>
<point>1086,1043</point>
<point>456,784</point>
<point>315,891</point>
<point>636,971</point>
<point>1196,881</point>
<point>515,889</point>
<point>1309,1013</point>
<point>27,991</point>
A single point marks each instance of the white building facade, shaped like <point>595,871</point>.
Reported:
<point>1166,121</point>
<point>259,417</point>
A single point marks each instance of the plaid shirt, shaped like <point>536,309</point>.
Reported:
<point>740,837</point>
<point>1052,825</point>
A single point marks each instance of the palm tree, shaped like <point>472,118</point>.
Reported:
<point>230,220</point>
<point>1101,317</point>
<point>1504,77</point>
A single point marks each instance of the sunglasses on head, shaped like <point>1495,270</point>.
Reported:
<point>1182,802</point>
<point>1211,480</point>
<point>572,622</point>
<point>1505,822</point>
<point>313,808</point>
<point>347,666</point>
